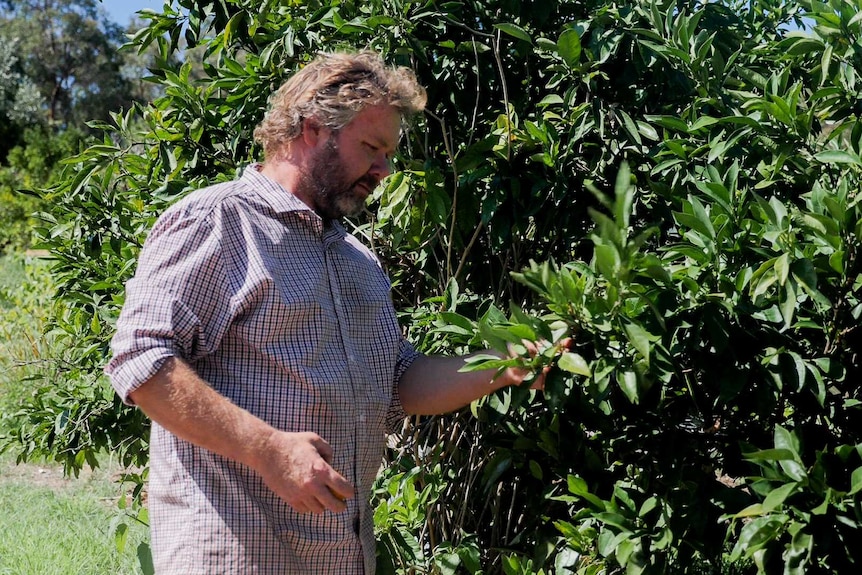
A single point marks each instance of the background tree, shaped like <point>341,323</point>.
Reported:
<point>694,169</point>
<point>20,100</point>
<point>68,49</point>
<point>60,67</point>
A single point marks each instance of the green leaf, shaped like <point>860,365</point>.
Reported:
<point>782,268</point>
<point>121,535</point>
<point>233,25</point>
<point>483,361</point>
<point>770,455</point>
<point>668,122</point>
<point>521,331</point>
<point>806,275</point>
<point>447,563</point>
<point>825,62</point>
<point>802,45</point>
<point>551,100</point>
<point>777,496</point>
<point>787,440</point>
<point>797,555</point>
<point>145,559</point>
<point>788,303</point>
<point>457,321</point>
<point>647,131</point>
<point>629,384</point>
<point>639,338</point>
<point>574,363</point>
<point>753,510</point>
<point>623,196</point>
<point>630,127</point>
<point>536,469</point>
<point>856,481</point>
<point>717,192</point>
<point>470,558</point>
<point>514,31</point>
<point>838,157</point>
<point>696,224</point>
<point>569,46</point>
<point>566,560</point>
<point>756,534</point>
<point>614,519</point>
<point>703,122</point>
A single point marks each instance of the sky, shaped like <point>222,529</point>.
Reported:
<point>121,11</point>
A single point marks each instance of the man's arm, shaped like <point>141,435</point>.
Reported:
<point>294,465</point>
<point>433,385</point>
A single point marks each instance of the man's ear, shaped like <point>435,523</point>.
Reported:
<point>313,132</point>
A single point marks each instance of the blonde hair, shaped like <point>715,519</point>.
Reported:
<point>332,89</point>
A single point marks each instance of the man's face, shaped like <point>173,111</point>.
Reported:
<point>349,164</point>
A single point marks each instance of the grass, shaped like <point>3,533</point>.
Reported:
<point>49,524</point>
<point>53,525</point>
<point>25,292</point>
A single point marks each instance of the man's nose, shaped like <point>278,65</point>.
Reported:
<point>381,167</point>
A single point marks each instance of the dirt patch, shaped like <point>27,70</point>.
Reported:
<point>39,475</point>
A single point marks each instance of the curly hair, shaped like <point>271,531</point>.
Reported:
<point>332,89</point>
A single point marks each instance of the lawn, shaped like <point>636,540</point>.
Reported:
<point>55,525</point>
<point>50,524</point>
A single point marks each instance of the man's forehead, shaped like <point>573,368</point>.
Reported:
<point>381,123</point>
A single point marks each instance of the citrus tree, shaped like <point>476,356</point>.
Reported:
<point>672,185</point>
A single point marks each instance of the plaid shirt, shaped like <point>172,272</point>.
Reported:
<point>289,317</point>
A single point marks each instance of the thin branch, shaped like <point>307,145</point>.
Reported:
<point>447,142</point>
<point>499,60</point>
<point>473,239</point>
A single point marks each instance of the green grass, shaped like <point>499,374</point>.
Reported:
<point>52,525</point>
<point>49,524</point>
<point>25,299</point>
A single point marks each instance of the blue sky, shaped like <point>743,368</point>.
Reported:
<point>121,11</point>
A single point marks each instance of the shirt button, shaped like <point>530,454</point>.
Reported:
<point>362,418</point>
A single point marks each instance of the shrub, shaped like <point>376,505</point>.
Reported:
<point>675,184</point>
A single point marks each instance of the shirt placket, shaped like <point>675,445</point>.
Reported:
<point>331,239</point>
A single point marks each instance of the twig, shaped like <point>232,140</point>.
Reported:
<point>448,144</point>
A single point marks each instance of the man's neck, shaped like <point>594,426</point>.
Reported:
<point>287,175</point>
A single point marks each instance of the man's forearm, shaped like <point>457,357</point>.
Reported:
<point>295,465</point>
<point>178,400</point>
<point>434,385</point>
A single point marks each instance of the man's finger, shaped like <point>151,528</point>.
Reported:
<point>327,500</point>
<point>323,448</point>
<point>339,486</point>
<point>314,505</point>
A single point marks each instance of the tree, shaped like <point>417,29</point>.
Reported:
<point>20,100</point>
<point>675,185</point>
<point>68,49</point>
<point>60,66</point>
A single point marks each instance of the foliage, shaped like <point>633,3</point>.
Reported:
<point>25,302</point>
<point>32,165</point>
<point>19,96</point>
<point>59,67</point>
<point>693,167</point>
<point>67,50</point>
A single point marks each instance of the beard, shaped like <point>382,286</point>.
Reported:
<point>333,193</point>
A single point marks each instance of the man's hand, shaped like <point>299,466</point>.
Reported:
<point>296,466</point>
<point>516,375</point>
<point>433,385</point>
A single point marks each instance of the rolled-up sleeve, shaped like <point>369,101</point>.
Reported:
<point>177,305</point>
<point>396,414</point>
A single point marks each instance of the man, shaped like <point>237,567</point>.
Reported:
<point>260,339</point>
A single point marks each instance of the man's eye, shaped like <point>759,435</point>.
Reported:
<point>371,146</point>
